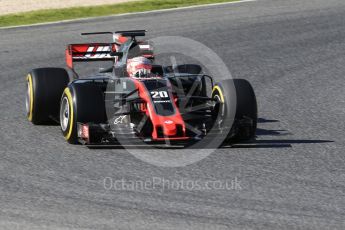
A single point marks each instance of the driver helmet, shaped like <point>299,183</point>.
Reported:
<point>139,67</point>
<point>120,39</point>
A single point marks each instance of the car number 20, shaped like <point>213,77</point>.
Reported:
<point>159,94</point>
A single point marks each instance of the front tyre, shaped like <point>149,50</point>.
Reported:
<point>243,116</point>
<point>80,102</point>
<point>246,110</point>
<point>67,117</point>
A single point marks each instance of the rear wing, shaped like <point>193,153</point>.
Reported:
<point>101,52</point>
<point>89,52</point>
<point>124,33</point>
<point>106,51</point>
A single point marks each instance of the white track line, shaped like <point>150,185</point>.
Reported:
<point>126,14</point>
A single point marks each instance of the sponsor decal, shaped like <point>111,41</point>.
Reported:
<point>167,101</point>
<point>90,52</point>
<point>120,119</point>
<point>146,47</point>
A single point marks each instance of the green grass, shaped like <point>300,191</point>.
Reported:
<point>52,15</point>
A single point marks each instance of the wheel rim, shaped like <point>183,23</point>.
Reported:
<point>219,111</point>
<point>219,106</point>
<point>64,114</point>
<point>27,98</point>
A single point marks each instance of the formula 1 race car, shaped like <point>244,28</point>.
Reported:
<point>136,101</point>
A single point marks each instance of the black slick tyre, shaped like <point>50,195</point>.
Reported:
<point>44,87</point>
<point>80,102</point>
<point>246,108</point>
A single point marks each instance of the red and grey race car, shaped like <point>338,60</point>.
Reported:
<point>136,101</point>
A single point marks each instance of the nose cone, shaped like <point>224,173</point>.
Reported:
<point>169,128</point>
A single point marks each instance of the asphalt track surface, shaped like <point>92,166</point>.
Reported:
<point>293,177</point>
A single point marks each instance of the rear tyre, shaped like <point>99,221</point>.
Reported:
<point>44,87</point>
<point>246,108</point>
<point>80,102</point>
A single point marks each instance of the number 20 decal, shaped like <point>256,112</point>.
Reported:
<point>159,94</point>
